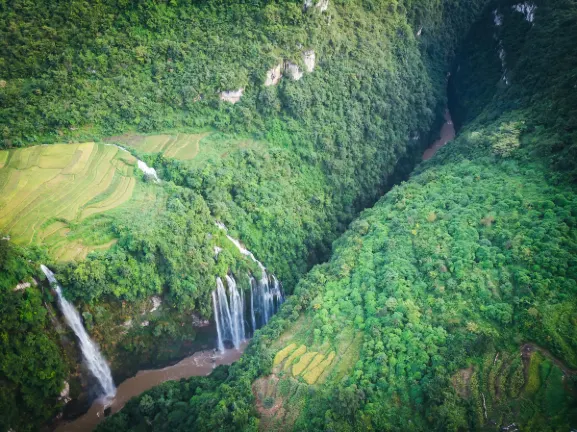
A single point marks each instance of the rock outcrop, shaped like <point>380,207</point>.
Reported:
<point>293,71</point>
<point>65,393</point>
<point>309,59</point>
<point>321,5</point>
<point>232,96</point>
<point>273,75</point>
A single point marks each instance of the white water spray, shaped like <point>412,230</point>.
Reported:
<point>217,320</point>
<point>252,291</point>
<point>265,300</point>
<point>239,246</point>
<point>142,166</point>
<point>236,312</point>
<point>94,360</point>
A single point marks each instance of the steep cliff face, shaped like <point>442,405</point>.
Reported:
<point>449,305</point>
<point>509,62</point>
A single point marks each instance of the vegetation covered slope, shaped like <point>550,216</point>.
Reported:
<point>49,193</point>
<point>450,305</point>
<point>327,144</point>
<point>32,365</point>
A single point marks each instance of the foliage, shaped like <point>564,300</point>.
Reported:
<point>328,144</point>
<point>426,314</point>
<point>32,369</point>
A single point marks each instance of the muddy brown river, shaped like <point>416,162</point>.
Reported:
<point>447,134</point>
<point>199,364</point>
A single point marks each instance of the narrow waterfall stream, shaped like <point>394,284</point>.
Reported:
<point>142,166</point>
<point>94,360</point>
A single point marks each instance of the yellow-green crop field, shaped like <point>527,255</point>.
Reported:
<point>48,191</point>
<point>195,148</point>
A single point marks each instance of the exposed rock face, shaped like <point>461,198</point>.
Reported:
<point>127,323</point>
<point>22,286</point>
<point>293,71</point>
<point>232,96</point>
<point>156,302</point>
<point>273,76</point>
<point>65,393</point>
<point>309,59</point>
<point>321,5</point>
<point>198,321</point>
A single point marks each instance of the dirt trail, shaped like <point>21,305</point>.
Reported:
<point>528,348</point>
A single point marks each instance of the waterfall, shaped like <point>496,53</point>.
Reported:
<point>142,166</point>
<point>229,316</point>
<point>96,363</point>
<point>229,312</point>
<point>224,316</point>
<point>236,312</point>
<point>239,246</point>
<point>265,297</point>
<point>217,321</point>
<point>252,292</point>
<point>277,294</point>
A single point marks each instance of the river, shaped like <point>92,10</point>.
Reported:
<point>199,364</point>
<point>447,134</point>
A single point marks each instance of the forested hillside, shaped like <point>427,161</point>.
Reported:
<point>451,304</point>
<point>326,145</point>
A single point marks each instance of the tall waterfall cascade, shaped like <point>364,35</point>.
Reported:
<point>235,315</point>
<point>94,359</point>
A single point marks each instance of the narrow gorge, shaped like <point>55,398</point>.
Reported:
<point>280,215</point>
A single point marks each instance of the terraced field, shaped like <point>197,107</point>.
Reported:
<point>195,148</point>
<point>298,365</point>
<point>526,391</point>
<point>49,192</point>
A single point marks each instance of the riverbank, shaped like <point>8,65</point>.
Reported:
<point>447,134</point>
<point>201,363</point>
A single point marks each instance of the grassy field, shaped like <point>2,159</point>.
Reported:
<point>63,195</point>
<point>54,195</point>
<point>196,148</point>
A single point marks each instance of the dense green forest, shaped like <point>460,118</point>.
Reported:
<point>330,143</point>
<point>32,366</point>
<point>451,304</point>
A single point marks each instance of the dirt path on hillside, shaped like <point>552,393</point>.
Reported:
<point>529,348</point>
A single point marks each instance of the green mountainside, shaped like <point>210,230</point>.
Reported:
<point>449,305</point>
<point>325,147</point>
